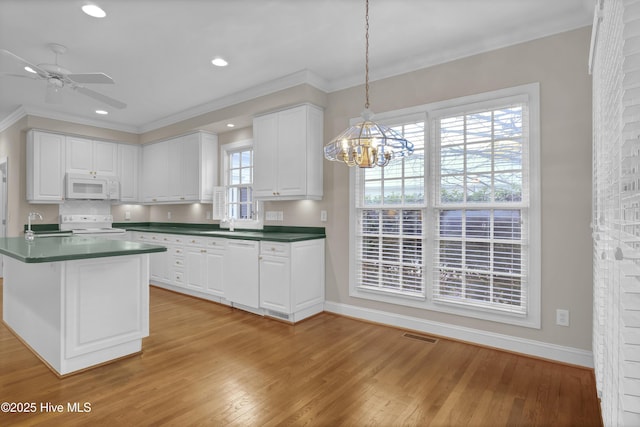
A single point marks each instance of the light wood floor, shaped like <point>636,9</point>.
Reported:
<point>206,364</point>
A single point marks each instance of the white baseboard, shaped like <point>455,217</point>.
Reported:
<point>570,355</point>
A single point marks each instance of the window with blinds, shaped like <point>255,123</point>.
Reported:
<point>391,214</point>
<point>455,226</point>
<point>240,204</point>
<point>480,204</point>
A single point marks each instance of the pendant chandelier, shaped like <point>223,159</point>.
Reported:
<point>367,144</point>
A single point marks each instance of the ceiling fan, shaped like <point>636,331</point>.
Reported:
<point>58,78</point>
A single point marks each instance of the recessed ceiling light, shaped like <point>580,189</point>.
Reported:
<point>219,62</point>
<point>102,112</point>
<point>29,69</point>
<point>230,125</point>
<point>93,10</point>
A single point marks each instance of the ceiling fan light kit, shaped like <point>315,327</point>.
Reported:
<point>58,77</point>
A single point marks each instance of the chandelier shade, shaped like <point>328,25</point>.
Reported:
<point>367,144</point>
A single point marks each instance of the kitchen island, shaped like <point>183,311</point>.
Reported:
<point>77,302</point>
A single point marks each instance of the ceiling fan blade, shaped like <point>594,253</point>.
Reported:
<point>42,73</point>
<point>90,78</point>
<point>100,97</point>
<point>23,76</point>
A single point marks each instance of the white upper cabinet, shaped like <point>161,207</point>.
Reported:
<point>45,167</point>
<point>180,170</point>
<point>288,154</point>
<point>91,157</point>
<point>128,171</point>
<point>155,175</point>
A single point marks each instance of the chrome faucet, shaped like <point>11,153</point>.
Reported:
<point>29,233</point>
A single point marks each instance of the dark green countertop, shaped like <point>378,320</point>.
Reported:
<point>270,233</point>
<point>50,249</point>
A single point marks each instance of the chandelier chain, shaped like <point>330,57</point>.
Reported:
<point>366,61</point>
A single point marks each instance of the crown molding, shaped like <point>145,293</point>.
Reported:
<point>12,118</point>
<point>266,88</point>
<point>53,115</point>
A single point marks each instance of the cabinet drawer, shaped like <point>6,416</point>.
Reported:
<point>177,251</point>
<point>178,262</point>
<point>171,239</point>
<point>156,239</point>
<point>178,277</point>
<point>275,248</point>
<point>195,241</point>
<point>216,243</point>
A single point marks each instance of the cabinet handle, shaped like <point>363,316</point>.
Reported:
<point>241,244</point>
<point>204,251</point>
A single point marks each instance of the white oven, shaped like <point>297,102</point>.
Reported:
<point>92,187</point>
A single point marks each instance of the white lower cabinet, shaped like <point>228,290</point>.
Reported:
<point>165,267</point>
<point>292,279</point>
<point>205,265</point>
<point>276,279</point>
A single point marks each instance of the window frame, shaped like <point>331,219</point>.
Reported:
<point>530,93</point>
<point>227,149</point>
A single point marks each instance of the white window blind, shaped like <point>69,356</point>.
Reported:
<point>616,211</point>
<point>481,202</point>
<point>391,213</point>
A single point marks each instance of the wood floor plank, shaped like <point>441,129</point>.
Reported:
<point>207,364</point>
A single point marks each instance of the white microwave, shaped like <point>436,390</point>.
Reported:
<point>92,187</point>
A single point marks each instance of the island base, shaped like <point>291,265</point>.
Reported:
<point>81,313</point>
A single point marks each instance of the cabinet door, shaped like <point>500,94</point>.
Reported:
<point>158,266</point>
<point>128,160</point>
<point>105,158</point>
<point>155,178</point>
<point>174,171</point>
<point>79,155</point>
<point>214,266</point>
<point>292,152</point>
<point>241,273</point>
<point>195,260</point>
<point>190,168</point>
<point>265,152</point>
<point>45,167</point>
<point>275,283</point>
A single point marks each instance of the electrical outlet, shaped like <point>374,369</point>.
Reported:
<point>270,216</point>
<point>323,216</point>
<point>208,214</point>
<point>168,215</point>
<point>127,215</point>
<point>562,317</point>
